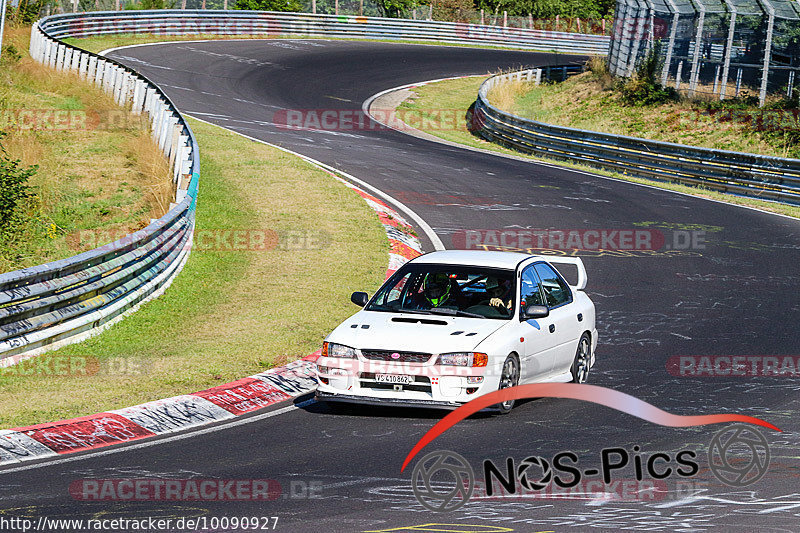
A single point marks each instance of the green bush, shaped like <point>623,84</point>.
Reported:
<point>14,188</point>
<point>268,5</point>
<point>10,53</point>
<point>27,11</point>
<point>643,88</point>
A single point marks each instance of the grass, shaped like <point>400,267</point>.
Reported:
<point>460,94</point>
<point>229,314</point>
<point>97,166</point>
<point>587,102</point>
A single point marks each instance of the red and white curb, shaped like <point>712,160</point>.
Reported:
<point>187,411</point>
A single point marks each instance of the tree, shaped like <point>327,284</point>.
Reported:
<point>14,187</point>
<point>268,5</point>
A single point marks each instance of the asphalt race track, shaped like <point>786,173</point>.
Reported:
<point>737,293</point>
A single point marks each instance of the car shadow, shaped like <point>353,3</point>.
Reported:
<point>325,408</point>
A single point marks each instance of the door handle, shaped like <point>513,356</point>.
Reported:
<point>552,328</point>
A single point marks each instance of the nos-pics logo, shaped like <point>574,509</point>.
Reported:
<point>444,480</point>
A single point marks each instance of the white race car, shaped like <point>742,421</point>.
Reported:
<point>449,326</point>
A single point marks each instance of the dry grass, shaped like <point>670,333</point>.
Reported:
<point>505,95</point>
<point>586,102</point>
<point>461,93</point>
<point>230,313</point>
<point>97,165</point>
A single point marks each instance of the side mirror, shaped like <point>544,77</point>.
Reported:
<point>359,298</point>
<point>535,311</point>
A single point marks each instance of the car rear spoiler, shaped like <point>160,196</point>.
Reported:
<point>582,278</point>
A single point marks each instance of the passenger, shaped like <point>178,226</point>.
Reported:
<point>499,293</point>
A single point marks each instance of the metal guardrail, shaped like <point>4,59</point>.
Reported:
<point>183,22</point>
<point>766,177</point>
<point>65,301</point>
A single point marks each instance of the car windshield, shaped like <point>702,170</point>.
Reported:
<point>452,290</point>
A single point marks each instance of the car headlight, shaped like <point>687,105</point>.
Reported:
<point>463,359</point>
<point>331,349</point>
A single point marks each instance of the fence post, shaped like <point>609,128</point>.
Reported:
<point>762,94</point>
<point>698,44</point>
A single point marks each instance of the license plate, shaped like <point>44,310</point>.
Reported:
<point>394,378</point>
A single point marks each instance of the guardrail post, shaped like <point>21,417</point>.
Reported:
<point>173,145</point>
<point>76,60</point>
<point>166,131</point>
<point>83,65</point>
<point>538,76</point>
<point>47,46</point>
<point>60,57</point>
<point>53,63</point>
<point>138,91</point>
<point>99,68</point>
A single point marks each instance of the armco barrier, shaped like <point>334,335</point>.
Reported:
<point>65,301</point>
<point>270,24</point>
<point>771,178</point>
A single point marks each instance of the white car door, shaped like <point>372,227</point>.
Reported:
<point>540,343</point>
<point>565,315</point>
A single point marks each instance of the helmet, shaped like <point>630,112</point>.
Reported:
<point>437,288</point>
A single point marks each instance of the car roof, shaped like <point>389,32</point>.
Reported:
<point>493,259</point>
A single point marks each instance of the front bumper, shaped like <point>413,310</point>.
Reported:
<point>386,402</point>
<point>434,385</point>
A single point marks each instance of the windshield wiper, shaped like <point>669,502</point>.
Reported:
<point>414,311</point>
<point>453,312</point>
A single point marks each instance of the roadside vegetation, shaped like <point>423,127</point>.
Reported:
<point>71,160</point>
<point>234,310</point>
<point>641,107</point>
<point>231,312</point>
<point>460,94</point>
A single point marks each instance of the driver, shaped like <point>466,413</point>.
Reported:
<point>436,289</point>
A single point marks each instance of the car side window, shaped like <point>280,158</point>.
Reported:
<point>530,293</point>
<point>556,291</point>
<point>391,299</point>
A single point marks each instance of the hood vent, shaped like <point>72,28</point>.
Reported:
<point>428,321</point>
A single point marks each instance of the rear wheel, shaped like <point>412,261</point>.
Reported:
<point>508,378</point>
<point>583,360</point>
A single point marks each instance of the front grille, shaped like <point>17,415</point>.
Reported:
<point>405,357</point>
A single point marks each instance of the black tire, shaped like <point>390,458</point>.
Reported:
<point>583,360</point>
<point>509,377</point>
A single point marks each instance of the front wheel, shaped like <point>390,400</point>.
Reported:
<point>583,359</point>
<point>508,378</point>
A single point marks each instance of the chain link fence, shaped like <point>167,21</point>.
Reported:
<point>717,48</point>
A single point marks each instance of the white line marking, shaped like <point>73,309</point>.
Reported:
<point>124,448</point>
<point>435,240</point>
<point>435,139</point>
